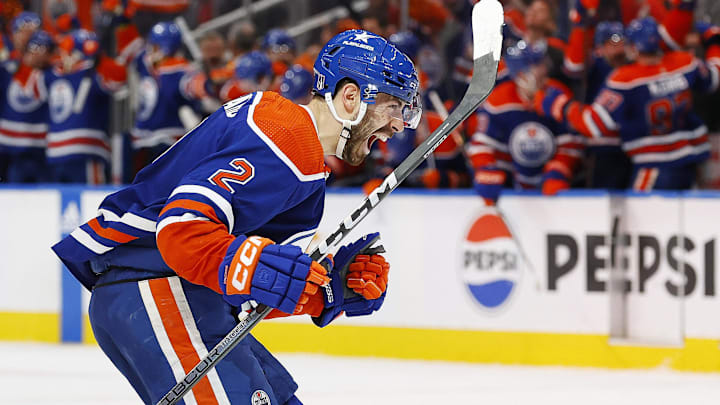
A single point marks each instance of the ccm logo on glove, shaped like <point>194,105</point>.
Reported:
<point>245,263</point>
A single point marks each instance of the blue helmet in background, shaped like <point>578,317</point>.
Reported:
<point>40,39</point>
<point>166,36</point>
<point>407,42</point>
<point>522,56</point>
<point>370,61</point>
<point>609,31</point>
<point>253,66</point>
<point>83,41</point>
<point>278,40</point>
<point>297,83</point>
<point>23,19</point>
<point>644,35</point>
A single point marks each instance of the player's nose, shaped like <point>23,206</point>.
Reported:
<point>396,125</point>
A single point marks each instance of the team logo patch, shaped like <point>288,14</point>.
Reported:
<point>21,99</point>
<point>490,261</point>
<point>61,100</point>
<point>531,144</point>
<point>260,397</point>
<point>147,98</point>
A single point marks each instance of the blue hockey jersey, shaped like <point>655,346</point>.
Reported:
<point>162,90</point>
<point>512,137</point>
<point>254,167</point>
<point>79,104</point>
<point>650,108</point>
<point>23,113</point>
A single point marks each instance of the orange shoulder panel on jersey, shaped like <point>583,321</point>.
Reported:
<point>292,130</point>
<point>503,98</point>
<point>672,62</point>
<point>172,63</point>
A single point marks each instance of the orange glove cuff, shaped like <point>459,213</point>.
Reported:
<point>243,264</point>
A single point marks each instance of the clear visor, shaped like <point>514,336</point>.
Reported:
<point>412,113</point>
<point>409,114</point>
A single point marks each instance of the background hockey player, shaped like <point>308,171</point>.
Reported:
<point>648,104</point>
<point>24,113</point>
<point>513,145</point>
<point>166,83</point>
<point>216,223</point>
<point>79,95</point>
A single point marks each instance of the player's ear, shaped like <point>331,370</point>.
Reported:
<point>350,97</point>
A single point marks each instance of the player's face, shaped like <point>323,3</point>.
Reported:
<point>532,80</point>
<point>381,121</point>
<point>36,57</point>
<point>22,35</point>
<point>212,50</point>
<point>613,52</point>
<point>539,16</point>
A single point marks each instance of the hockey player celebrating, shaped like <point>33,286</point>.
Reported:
<point>24,113</point>
<point>648,104</point>
<point>166,83</point>
<point>220,220</point>
<point>79,95</point>
<point>513,145</point>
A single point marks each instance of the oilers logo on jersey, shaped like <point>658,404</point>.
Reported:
<point>531,144</point>
<point>22,99</point>
<point>60,100</point>
<point>147,98</point>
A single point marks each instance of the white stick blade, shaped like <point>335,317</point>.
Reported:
<point>487,22</point>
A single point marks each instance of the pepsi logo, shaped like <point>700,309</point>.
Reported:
<point>490,262</point>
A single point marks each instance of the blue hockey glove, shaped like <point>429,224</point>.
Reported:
<point>279,276</point>
<point>358,281</point>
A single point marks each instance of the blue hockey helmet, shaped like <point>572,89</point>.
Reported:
<point>644,35</point>
<point>522,56</point>
<point>82,41</point>
<point>23,19</point>
<point>374,64</point>
<point>612,31</point>
<point>40,39</point>
<point>407,42</point>
<point>278,40</point>
<point>166,36</point>
<point>297,83</point>
<point>253,66</point>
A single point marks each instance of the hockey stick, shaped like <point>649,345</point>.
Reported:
<point>487,20</point>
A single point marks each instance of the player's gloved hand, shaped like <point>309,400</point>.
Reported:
<point>358,283</point>
<point>488,183</point>
<point>584,12</point>
<point>279,276</point>
<point>553,182</point>
<point>709,34</point>
<point>551,102</point>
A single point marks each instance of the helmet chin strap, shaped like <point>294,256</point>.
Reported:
<point>347,124</point>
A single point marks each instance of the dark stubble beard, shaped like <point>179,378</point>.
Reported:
<point>359,135</point>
